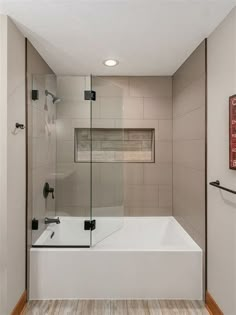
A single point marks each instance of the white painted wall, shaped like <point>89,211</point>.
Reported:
<point>221,205</point>
<point>12,166</point>
<point>3,163</point>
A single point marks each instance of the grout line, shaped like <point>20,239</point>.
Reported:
<point>182,115</point>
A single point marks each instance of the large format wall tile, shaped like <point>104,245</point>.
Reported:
<point>190,153</point>
<point>141,196</point>
<point>71,88</point>
<point>165,130</point>
<point>150,86</point>
<point>165,196</point>
<point>111,107</point>
<point>132,108</point>
<point>192,69</point>
<point>163,152</point>
<point>190,126</point>
<point>190,98</point>
<point>75,109</point>
<point>157,174</point>
<point>133,173</point>
<point>111,86</point>
<point>158,108</point>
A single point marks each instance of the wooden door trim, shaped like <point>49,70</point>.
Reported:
<point>212,306</point>
<point>20,304</point>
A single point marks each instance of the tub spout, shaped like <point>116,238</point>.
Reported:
<point>52,220</point>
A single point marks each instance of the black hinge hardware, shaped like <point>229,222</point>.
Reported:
<point>35,224</point>
<point>90,225</point>
<point>35,95</point>
<point>89,95</point>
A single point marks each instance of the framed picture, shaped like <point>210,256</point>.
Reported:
<point>232,132</point>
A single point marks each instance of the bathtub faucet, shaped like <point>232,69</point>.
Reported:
<point>52,220</point>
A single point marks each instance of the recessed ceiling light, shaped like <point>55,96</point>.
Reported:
<point>110,62</point>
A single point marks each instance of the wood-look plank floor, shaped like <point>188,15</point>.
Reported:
<point>110,307</point>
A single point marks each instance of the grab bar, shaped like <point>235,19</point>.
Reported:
<point>217,184</point>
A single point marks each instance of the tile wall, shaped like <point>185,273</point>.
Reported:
<point>122,102</point>
<point>189,145</point>
<point>73,179</point>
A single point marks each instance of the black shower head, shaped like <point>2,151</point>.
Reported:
<point>55,99</point>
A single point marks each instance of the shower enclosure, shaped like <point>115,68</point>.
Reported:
<point>102,175</point>
<point>77,154</point>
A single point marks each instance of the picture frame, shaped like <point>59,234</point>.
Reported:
<point>232,132</point>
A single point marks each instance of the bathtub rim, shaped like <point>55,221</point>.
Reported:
<point>194,248</point>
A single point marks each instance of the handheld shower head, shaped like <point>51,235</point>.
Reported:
<point>55,99</point>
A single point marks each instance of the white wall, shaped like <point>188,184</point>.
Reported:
<point>221,205</point>
<point>12,213</point>
<point>3,163</point>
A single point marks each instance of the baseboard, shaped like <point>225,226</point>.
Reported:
<point>20,304</point>
<point>212,306</point>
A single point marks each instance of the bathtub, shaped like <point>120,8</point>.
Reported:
<point>148,258</point>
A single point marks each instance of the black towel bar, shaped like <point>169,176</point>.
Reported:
<point>217,184</point>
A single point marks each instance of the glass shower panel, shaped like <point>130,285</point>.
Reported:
<point>42,146</point>
<point>107,137</point>
<point>54,156</point>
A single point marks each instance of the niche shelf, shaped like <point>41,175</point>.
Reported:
<point>114,145</point>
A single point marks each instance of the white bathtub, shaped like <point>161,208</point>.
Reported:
<point>149,258</point>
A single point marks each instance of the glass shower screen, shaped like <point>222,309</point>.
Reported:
<point>76,150</point>
<point>107,140</point>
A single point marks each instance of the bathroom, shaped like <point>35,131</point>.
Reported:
<point>112,203</point>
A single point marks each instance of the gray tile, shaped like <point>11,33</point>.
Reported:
<point>165,130</point>
<point>150,86</point>
<point>111,86</point>
<point>141,196</point>
<point>147,211</point>
<point>189,153</point>
<point>190,126</point>
<point>71,88</point>
<point>155,174</point>
<point>133,173</point>
<point>158,108</point>
<point>132,108</point>
<point>190,98</point>
<point>165,196</point>
<point>192,69</point>
<point>111,107</point>
<point>163,152</point>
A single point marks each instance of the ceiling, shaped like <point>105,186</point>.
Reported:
<point>148,37</point>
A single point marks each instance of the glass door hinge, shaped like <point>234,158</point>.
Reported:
<point>89,95</point>
<point>90,225</point>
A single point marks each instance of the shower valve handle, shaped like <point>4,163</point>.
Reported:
<point>19,126</point>
<point>48,190</point>
<point>51,190</point>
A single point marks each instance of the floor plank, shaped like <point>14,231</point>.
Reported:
<point>115,307</point>
<point>68,307</point>
<point>94,307</point>
<point>137,307</point>
<point>119,307</point>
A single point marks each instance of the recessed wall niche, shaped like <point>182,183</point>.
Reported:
<point>114,145</point>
